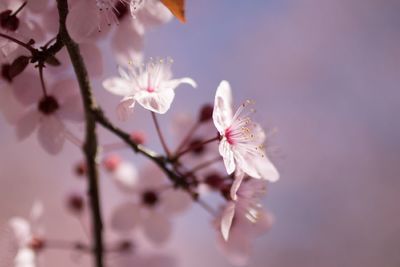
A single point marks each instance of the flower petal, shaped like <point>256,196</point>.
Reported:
<point>83,21</point>
<point>72,109</point>
<point>125,108</point>
<point>227,219</point>
<point>27,124</point>
<point>226,152</point>
<point>239,175</point>
<point>173,84</point>
<point>51,134</point>
<point>157,227</point>
<point>125,176</point>
<point>21,229</point>
<point>125,217</point>
<point>223,114</point>
<point>176,201</point>
<point>118,86</point>
<point>25,258</point>
<point>158,102</point>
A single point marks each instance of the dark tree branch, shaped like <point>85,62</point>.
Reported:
<point>90,145</point>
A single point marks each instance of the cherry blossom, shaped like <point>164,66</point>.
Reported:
<point>127,40</point>
<point>155,203</point>
<point>26,237</point>
<point>150,85</point>
<point>48,112</point>
<point>243,220</point>
<point>241,144</point>
<point>123,173</point>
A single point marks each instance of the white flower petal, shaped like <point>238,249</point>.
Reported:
<point>51,134</point>
<point>118,86</point>
<point>173,84</point>
<point>125,108</point>
<point>267,170</point>
<point>227,154</point>
<point>21,229</point>
<point>126,176</point>
<point>25,258</point>
<point>125,217</point>
<point>158,102</point>
<point>239,175</point>
<point>157,227</point>
<point>223,114</point>
<point>227,219</point>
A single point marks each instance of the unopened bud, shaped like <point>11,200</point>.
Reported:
<point>206,112</point>
<point>36,243</point>
<point>138,137</point>
<point>75,203</point>
<point>197,146</point>
<point>125,245</point>
<point>111,162</point>
<point>215,181</point>
<point>80,169</point>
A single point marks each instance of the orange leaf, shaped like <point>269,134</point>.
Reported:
<point>177,7</point>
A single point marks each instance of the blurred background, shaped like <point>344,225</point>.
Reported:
<point>325,74</point>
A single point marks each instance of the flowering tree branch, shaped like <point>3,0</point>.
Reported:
<point>90,145</point>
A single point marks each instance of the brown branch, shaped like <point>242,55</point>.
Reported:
<point>90,145</point>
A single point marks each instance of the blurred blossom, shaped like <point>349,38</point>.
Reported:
<point>154,205</point>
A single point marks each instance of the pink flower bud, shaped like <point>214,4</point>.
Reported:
<point>36,243</point>
<point>80,169</point>
<point>138,137</point>
<point>206,112</point>
<point>75,203</point>
<point>111,162</point>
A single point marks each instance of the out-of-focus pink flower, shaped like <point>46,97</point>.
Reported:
<point>243,220</point>
<point>241,144</point>
<point>123,173</point>
<point>127,41</point>
<point>152,208</point>
<point>49,112</point>
<point>150,85</point>
<point>16,22</point>
<point>25,237</point>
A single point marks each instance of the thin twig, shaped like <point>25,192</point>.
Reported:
<point>28,47</point>
<point>160,135</point>
<point>195,146</point>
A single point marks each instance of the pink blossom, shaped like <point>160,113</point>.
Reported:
<point>241,144</point>
<point>243,220</point>
<point>48,112</point>
<point>25,232</point>
<point>152,208</point>
<point>150,85</point>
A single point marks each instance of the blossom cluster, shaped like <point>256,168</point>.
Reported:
<point>222,151</point>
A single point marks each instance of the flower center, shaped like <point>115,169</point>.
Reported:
<point>229,137</point>
<point>48,105</point>
<point>150,198</point>
<point>150,89</point>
